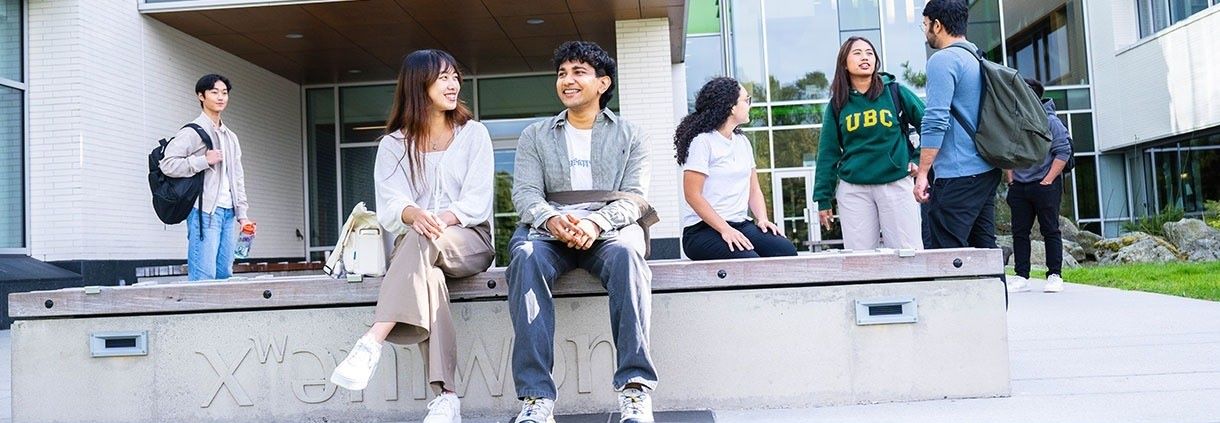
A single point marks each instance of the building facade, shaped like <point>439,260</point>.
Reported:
<point>87,86</point>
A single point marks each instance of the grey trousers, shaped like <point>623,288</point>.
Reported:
<point>532,270</point>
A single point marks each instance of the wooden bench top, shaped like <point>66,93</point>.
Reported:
<point>827,268</point>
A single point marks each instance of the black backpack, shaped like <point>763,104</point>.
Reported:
<point>173,198</point>
<point>1071,161</point>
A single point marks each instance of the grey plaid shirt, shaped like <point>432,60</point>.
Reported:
<point>619,156</point>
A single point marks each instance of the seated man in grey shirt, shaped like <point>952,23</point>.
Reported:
<point>585,147</point>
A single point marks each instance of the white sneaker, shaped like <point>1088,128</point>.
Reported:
<point>445,408</point>
<point>536,410</point>
<point>1054,283</point>
<point>1017,284</point>
<point>635,406</point>
<point>356,370</point>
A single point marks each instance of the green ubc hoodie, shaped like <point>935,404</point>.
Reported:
<point>864,145</point>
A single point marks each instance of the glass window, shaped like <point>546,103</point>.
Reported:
<point>748,47</point>
<point>324,221</point>
<point>802,114</point>
<point>1086,187</point>
<point>983,28</point>
<point>363,112</point>
<point>358,177</point>
<point>873,35</point>
<point>760,141</point>
<point>505,215</point>
<point>905,48</point>
<point>1113,186</point>
<point>518,97</point>
<point>1155,15</point>
<point>1046,40</point>
<point>1082,132</point>
<point>704,61</point>
<point>758,117</point>
<point>703,17</point>
<point>1182,9</point>
<point>10,40</point>
<point>799,60</point>
<point>466,93</point>
<point>796,147</point>
<point>857,15</point>
<point>12,168</point>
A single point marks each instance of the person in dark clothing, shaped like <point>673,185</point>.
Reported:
<point>1035,192</point>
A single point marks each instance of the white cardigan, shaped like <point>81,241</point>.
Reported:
<point>466,170</point>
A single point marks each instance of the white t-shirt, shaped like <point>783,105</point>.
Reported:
<point>580,143</point>
<point>225,197</point>
<point>727,164</point>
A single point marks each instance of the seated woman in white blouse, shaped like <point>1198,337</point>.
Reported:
<point>720,182</point>
<point>434,188</point>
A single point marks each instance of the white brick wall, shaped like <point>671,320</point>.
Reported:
<point>645,87</point>
<point>106,83</point>
<point>1176,89</point>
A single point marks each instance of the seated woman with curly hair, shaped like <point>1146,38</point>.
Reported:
<point>720,181</point>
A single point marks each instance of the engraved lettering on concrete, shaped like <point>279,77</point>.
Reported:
<point>584,359</point>
<point>266,348</point>
<point>300,385</point>
<point>391,364</point>
<point>493,379</point>
<point>225,379</point>
<point>415,371</point>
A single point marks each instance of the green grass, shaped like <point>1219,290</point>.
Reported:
<point>1192,280</point>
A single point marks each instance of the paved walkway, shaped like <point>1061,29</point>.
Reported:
<point>1087,354</point>
<point>1084,355</point>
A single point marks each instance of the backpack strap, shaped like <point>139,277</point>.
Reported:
<point>203,135</point>
<point>207,142</point>
<point>957,114</point>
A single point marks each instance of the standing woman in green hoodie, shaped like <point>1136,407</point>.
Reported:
<point>865,160</point>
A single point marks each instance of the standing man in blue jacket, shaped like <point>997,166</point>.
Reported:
<point>962,197</point>
<point>1036,191</point>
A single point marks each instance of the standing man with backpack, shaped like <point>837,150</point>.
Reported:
<point>211,231</point>
<point>1036,191</point>
<point>962,212</point>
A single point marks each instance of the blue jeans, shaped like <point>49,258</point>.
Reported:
<point>535,265</point>
<point>210,254</point>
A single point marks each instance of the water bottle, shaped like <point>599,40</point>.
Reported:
<point>244,240</point>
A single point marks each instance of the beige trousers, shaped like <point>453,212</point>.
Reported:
<point>413,293</point>
<point>872,214</point>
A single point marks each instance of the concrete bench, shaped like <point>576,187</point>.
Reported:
<point>819,329</point>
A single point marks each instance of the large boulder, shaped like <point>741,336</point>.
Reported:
<point>1067,230</point>
<point>1187,230</point>
<point>1136,247</point>
<point>1194,239</point>
<point>1037,252</point>
<point>1087,241</point>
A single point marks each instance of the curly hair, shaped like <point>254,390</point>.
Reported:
<point>713,106</point>
<point>593,54</point>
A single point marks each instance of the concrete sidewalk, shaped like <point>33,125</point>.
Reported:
<point>1087,354</point>
<point>1084,355</point>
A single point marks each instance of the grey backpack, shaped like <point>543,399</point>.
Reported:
<point>1013,132</point>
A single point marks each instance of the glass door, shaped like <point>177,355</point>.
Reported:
<point>794,210</point>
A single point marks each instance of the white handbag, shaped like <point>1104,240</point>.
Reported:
<point>360,250</point>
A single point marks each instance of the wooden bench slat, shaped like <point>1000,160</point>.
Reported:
<point>668,276</point>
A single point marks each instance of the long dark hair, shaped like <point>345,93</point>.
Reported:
<point>713,106</point>
<point>840,87</point>
<point>410,111</point>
